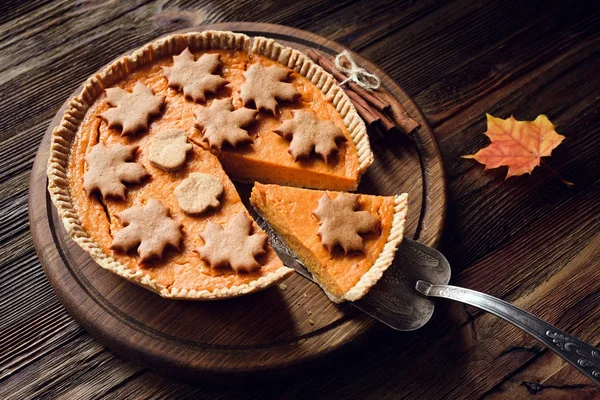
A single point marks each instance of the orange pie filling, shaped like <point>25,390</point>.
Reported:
<point>266,159</point>
<point>290,212</point>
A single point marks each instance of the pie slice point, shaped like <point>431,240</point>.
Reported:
<point>343,277</point>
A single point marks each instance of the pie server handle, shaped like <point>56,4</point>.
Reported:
<point>581,355</point>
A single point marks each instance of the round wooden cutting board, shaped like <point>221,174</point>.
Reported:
<point>269,331</point>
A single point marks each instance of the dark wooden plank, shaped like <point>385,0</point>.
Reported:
<point>92,371</point>
<point>11,11</point>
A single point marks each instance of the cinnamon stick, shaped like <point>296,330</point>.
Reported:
<point>398,112</point>
<point>362,107</point>
<point>371,106</point>
<point>385,121</point>
<point>374,114</point>
<point>329,66</point>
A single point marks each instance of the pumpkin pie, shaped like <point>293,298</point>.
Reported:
<point>347,241</point>
<point>141,164</point>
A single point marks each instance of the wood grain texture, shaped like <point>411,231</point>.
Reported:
<point>529,239</point>
<point>263,334</point>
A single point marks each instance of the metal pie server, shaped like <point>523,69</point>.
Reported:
<point>401,300</point>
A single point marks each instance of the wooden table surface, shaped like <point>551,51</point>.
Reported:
<point>529,240</point>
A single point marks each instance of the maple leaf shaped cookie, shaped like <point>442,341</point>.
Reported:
<point>131,111</point>
<point>149,228</point>
<point>109,167</point>
<point>168,149</point>
<point>220,123</point>
<point>264,86</point>
<point>341,224</point>
<point>195,78</point>
<point>232,245</point>
<point>308,133</point>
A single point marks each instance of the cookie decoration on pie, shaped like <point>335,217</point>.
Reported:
<point>195,78</point>
<point>198,192</point>
<point>289,211</point>
<point>265,86</point>
<point>220,123</point>
<point>148,228</point>
<point>307,134</point>
<point>131,111</point>
<point>341,223</point>
<point>234,245</point>
<point>109,167</point>
<point>168,149</point>
<point>93,221</point>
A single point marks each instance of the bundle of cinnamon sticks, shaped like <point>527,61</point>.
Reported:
<point>380,110</point>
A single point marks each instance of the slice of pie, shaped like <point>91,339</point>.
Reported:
<point>141,162</point>
<point>347,241</point>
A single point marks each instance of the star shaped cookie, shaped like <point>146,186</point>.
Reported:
<point>131,111</point>
<point>307,134</point>
<point>150,229</point>
<point>195,78</point>
<point>264,86</point>
<point>233,245</point>
<point>341,224</point>
<point>109,167</point>
<point>220,123</point>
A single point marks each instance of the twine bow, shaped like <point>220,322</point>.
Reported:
<point>363,78</point>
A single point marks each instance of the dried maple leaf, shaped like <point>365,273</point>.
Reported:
<point>149,228</point>
<point>131,111</point>
<point>341,224</point>
<point>308,133</point>
<point>108,168</point>
<point>264,86</point>
<point>220,123</point>
<point>520,145</point>
<point>195,78</point>
<point>232,245</point>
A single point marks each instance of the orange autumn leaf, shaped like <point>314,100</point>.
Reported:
<point>519,145</point>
